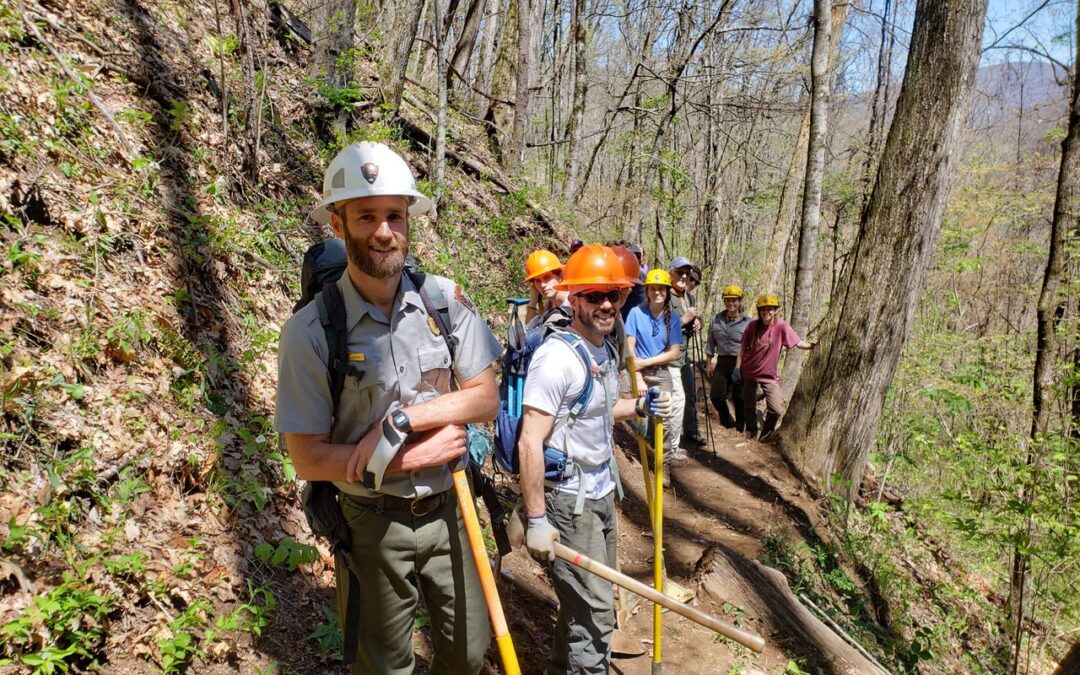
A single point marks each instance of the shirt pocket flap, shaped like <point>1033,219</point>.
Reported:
<point>433,357</point>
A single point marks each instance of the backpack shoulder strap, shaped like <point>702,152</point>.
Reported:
<point>436,305</point>
<point>582,400</point>
<point>332,316</point>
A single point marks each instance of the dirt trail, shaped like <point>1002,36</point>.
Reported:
<point>735,499</point>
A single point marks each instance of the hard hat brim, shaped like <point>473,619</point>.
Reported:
<point>418,203</point>
<point>598,283</point>
<point>542,272</point>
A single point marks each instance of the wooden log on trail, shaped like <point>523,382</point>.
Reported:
<point>763,593</point>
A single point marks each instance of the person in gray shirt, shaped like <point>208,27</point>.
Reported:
<point>398,424</point>
<point>721,351</point>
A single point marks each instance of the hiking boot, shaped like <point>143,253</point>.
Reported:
<point>677,458</point>
<point>697,439</point>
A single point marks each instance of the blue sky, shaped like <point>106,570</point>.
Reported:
<point>1051,29</point>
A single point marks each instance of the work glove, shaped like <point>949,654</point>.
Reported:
<point>658,402</point>
<point>736,376</point>
<point>540,538</point>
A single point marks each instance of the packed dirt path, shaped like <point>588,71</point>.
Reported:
<point>734,496</point>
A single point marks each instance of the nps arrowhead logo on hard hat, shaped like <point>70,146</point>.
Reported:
<point>370,171</point>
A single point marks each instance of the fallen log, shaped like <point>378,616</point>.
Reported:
<point>763,593</point>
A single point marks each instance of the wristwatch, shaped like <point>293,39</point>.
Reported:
<point>401,421</point>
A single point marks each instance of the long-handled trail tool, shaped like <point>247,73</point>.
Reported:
<point>658,539</point>
<point>747,639</point>
<point>699,359</point>
<point>515,342</point>
<point>483,568</point>
<point>516,534</point>
<point>670,586</point>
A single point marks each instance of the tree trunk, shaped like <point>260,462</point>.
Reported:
<point>801,304</point>
<point>443,80</point>
<point>1052,355</point>
<point>879,105</point>
<point>1070,665</point>
<point>252,95</point>
<point>515,154</point>
<point>763,594</point>
<point>577,112</point>
<point>789,196</point>
<point>467,42</point>
<point>837,404</point>
<point>395,60</point>
<point>494,23</point>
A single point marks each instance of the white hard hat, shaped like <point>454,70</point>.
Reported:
<point>368,170</point>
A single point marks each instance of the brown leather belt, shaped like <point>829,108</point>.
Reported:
<point>417,507</point>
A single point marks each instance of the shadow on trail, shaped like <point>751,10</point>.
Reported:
<point>212,345</point>
<point>764,491</point>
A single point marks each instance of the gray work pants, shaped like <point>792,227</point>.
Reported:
<point>586,602</point>
<point>395,555</point>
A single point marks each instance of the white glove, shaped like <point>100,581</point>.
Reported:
<point>540,538</point>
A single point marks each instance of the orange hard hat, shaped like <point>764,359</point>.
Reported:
<point>540,262</point>
<point>631,265</point>
<point>594,265</point>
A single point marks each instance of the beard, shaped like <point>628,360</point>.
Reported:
<point>599,320</point>
<point>388,261</point>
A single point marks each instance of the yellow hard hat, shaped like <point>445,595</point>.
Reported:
<point>658,278</point>
<point>767,300</point>
<point>731,291</point>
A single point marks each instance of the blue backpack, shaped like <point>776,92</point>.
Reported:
<point>521,345</point>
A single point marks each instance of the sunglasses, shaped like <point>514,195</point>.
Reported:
<point>598,297</point>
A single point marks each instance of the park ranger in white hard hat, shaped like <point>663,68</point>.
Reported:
<point>397,424</point>
<point>368,170</point>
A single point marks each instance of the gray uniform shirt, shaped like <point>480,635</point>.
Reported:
<point>678,308</point>
<point>403,360</point>
<point>724,335</point>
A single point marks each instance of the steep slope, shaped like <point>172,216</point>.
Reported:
<point>148,518</point>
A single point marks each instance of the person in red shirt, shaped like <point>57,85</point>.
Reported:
<point>759,353</point>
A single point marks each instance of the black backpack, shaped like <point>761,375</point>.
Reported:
<point>324,263</point>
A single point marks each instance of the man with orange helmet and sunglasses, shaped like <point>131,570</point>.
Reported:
<point>577,505</point>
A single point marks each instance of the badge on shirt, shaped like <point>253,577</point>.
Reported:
<point>433,325</point>
<point>460,296</point>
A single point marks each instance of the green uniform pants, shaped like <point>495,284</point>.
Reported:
<point>586,602</point>
<point>395,556</point>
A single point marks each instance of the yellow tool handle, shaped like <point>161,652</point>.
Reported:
<point>635,391</point>
<point>658,539</point>
<point>487,579</point>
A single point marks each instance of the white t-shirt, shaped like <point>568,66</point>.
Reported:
<point>555,380</point>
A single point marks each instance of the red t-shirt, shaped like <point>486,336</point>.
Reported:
<point>761,349</point>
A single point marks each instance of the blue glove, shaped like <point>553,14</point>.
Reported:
<point>658,402</point>
<point>736,376</point>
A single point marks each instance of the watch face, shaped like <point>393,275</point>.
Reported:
<point>401,421</point>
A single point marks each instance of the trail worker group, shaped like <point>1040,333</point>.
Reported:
<point>381,370</point>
